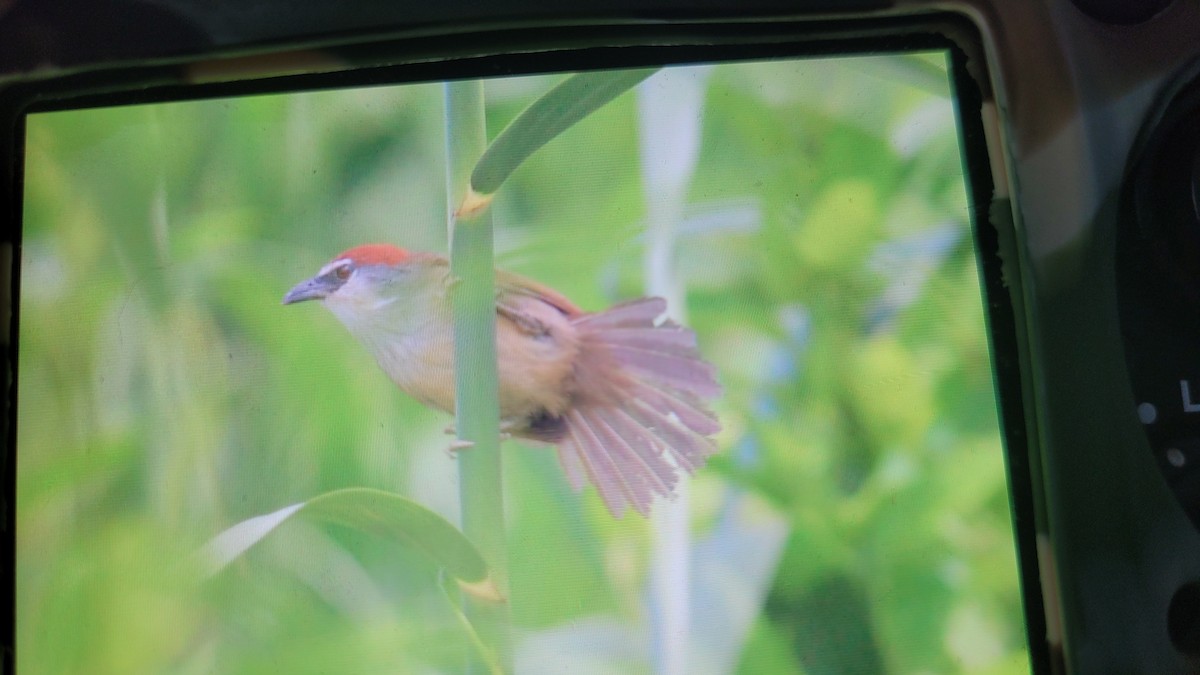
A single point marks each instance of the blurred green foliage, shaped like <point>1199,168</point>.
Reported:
<point>165,394</point>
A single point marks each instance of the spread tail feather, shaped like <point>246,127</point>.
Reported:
<point>653,421</point>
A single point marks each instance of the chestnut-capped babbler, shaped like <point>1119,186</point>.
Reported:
<point>620,393</point>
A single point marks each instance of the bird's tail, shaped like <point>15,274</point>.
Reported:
<point>646,418</point>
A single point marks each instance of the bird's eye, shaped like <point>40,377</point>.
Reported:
<point>342,272</point>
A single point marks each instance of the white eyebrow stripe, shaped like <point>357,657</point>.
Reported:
<point>332,266</point>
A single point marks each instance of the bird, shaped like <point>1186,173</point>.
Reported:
<point>622,394</point>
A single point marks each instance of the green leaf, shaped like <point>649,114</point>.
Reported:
<point>367,510</point>
<point>572,100</point>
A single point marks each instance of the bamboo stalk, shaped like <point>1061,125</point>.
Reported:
<point>477,408</point>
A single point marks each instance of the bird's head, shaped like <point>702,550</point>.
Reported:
<point>374,283</point>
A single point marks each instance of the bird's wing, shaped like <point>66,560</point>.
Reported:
<point>511,289</point>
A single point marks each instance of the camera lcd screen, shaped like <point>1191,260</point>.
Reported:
<point>210,480</point>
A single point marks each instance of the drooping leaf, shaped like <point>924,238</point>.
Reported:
<point>572,100</point>
<point>375,511</point>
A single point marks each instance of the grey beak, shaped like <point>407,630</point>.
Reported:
<point>311,289</point>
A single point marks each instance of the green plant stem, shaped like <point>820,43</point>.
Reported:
<point>477,407</point>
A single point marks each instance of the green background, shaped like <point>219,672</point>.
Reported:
<point>166,395</point>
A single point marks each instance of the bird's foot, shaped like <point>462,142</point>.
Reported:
<point>506,429</point>
<point>463,444</point>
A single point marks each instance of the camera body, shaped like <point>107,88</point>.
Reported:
<point>1086,113</point>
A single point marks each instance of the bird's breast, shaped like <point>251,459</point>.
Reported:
<point>422,366</point>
